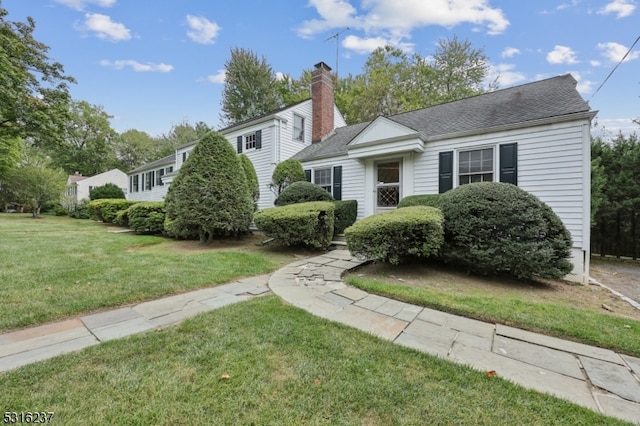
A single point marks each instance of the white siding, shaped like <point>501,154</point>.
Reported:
<point>115,176</point>
<point>353,177</point>
<point>288,146</point>
<point>550,165</point>
<point>157,192</point>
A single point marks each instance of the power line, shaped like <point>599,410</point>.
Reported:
<point>615,68</point>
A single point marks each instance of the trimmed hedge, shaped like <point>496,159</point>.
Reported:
<point>498,228</point>
<point>106,210</point>
<point>431,200</point>
<point>146,217</point>
<point>108,190</point>
<point>346,214</point>
<point>309,224</point>
<point>302,192</point>
<point>396,235</point>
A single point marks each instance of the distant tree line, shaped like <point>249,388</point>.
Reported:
<point>615,196</point>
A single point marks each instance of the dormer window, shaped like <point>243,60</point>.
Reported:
<point>298,128</point>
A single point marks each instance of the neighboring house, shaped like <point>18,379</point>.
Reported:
<point>536,136</point>
<point>78,186</point>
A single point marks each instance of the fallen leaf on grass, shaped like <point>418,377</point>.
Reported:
<point>491,373</point>
<point>47,288</point>
<point>225,376</point>
<point>317,381</point>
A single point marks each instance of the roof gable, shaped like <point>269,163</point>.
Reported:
<point>382,129</point>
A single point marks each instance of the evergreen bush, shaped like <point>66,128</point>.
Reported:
<point>146,217</point>
<point>431,200</point>
<point>397,235</point>
<point>302,192</point>
<point>309,224</point>
<point>346,214</point>
<point>209,196</point>
<point>108,190</point>
<point>106,210</point>
<point>498,228</point>
<point>286,173</point>
<point>251,177</point>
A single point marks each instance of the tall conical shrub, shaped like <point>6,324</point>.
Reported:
<point>210,195</point>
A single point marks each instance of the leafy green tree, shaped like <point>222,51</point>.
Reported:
<point>251,177</point>
<point>34,182</point>
<point>293,90</point>
<point>34,89</point>
<point>88,145</point>
<point>210,195</point>
<point>134,148</point>
<point>10,149</point>
<point>250,87</point>
<point>285,173</point>
<point>180,134</point>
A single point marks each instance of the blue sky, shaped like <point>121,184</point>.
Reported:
<point>155,63</point>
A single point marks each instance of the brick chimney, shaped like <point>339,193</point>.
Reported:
<point>321,101</point>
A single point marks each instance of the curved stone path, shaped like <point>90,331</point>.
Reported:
<point>597,378</point>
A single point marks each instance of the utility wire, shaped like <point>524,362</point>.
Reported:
<point>615,68</point>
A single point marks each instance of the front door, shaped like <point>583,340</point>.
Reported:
<point>387,185</point>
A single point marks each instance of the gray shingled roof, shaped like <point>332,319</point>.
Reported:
<point>169,159</point>
<point>553,97</point>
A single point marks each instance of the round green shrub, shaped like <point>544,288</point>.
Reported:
<point>496,228</point>
<point>397,235</point>
<point>346,214</point>
<point>251,177</point>
<point>308,224</point>
<point>285,173</point>
<point>302,192</point>
<point>431,200</point>
<point>108,190</point>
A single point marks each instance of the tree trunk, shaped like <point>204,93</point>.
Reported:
<point>603,230</point>
<point>618,235</point>
<point>634,240</point>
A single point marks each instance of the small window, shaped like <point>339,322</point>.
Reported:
<point>134,183</point>
<point>250,141</point>
<point>475,166</point>
<point>159,175</point>
<point>184,157</point>
<point>298,128</point>
<point>322,177</point>
<point>170,169</point>
<point>148,182</point>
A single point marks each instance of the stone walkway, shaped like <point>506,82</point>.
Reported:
<point>599,379</point>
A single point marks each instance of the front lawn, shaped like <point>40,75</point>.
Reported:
<point>264,362</point>
<point>57,267</point>
<point>586,314</point>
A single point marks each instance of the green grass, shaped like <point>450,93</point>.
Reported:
<point>619,334</point>
<point>58,267</point>
<point>285,367</point>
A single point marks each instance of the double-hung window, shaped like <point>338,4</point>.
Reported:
<point>159,175</point>
<point>298,128</point>
<point>250,141</point>
<point>476,166</point>
<point>322,177</point>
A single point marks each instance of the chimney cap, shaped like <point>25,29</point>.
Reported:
<point>322,65</point>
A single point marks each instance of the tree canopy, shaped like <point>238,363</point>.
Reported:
<point>250,87</point>
<point>34,95</point>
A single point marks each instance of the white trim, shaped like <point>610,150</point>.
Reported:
<point>456,161</point>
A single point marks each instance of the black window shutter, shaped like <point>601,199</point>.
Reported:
<point>445,173</point>
<point>307,174</point>
<point>509,163</point>
<point>337,183</point>
<point>239,144</point>
<point>258,139</point>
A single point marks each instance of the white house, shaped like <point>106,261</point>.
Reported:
<point>78,186</point>
<point>536,136</point>
<point>267,140</point>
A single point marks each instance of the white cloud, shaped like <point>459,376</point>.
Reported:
<point>201,30</point>
<point>583,86</point>
<point>81,4</point>
<point>510,52</point>
<point>562,55</point>
<point>505,75</point>
<point>104,28</point>
<point>622,8</point>
<point>614,52</point>
<point>217,78</point>
<point>137,66</point>
<point>392,21</point>
<point>369,44</point>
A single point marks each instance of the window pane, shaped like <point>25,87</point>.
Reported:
<point>389,172</point>
<point>322,177</point>
<point>388,196</point>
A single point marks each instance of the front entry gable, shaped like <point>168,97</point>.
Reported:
<point>384,136</point>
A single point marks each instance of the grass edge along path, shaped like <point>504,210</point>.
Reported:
<point>265,362</point>
<point>592,328</point>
